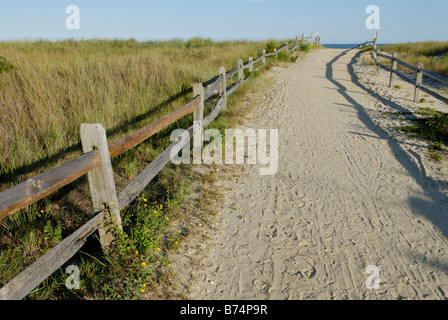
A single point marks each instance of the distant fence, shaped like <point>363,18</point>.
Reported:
<point>96,163</point>
<point>419,71</point>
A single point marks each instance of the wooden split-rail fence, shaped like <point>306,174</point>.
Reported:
<point>418,70</point>
<point>96,163</point>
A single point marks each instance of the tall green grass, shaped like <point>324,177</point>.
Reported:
<point>53,87</point>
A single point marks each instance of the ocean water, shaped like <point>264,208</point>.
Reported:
<point>340,46</point>
<point>344,46</point>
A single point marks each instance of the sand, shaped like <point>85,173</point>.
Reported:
<point>350,192</point>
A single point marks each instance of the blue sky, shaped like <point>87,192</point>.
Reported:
<point>337,21</point>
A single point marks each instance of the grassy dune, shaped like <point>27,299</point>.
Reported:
<point>434,55</point>
<point>47,90</point>
<point>55,86</point>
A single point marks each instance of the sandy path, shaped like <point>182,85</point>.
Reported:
<point>347,195</point>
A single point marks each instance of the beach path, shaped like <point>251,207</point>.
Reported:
<point>346,196</point>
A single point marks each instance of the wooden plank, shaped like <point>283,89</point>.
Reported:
<point>148,174</point>
<point>34,189</point>
<point>403,77</point>
<point>385,56</point>
<point>128,142</point>
<point>215,113</point>
<point>384,67</point>
<point>435,76</point>
<point>232,72</point>
<point>101,179</point>
<point>212,88</point>
<point>45,266</point>
<point>407,65</point>
<point>232,90</point>
<point>132,191</point>
<point>434,94</point>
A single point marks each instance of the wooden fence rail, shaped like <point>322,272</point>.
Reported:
<point>96,163</point>
<point>418,70</point>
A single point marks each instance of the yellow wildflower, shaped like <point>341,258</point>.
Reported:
<point>144,264</point>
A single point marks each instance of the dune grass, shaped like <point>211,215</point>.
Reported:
<point>52,88</point>
<point>433,55</point>
<point>49,89</point>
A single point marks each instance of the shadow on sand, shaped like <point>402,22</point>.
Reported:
<point>436,208</point>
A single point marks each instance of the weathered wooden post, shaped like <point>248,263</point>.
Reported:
<point>374,55</point>
<point>287,47</point>
<point>311,39</point>
<point>223,88</point>
<point>251,64</point>
<point>198,124</point>
<point>297,42</point>
<point>240,70</point>
<point>303,38</point>
<point>393,69</point>
<point>377,63</point>
<point>275,51</point>
<point>418,82</point>
<point>101,180</point>
<point>263,53</point>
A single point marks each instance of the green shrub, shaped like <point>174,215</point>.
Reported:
<point>433,128</point>
<point>270,46</point>
<point>305,48</point>
<point>5,65</point>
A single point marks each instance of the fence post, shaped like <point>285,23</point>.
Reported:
<point>303,38</point>
<point>311,39</point>
<point>251,64</point>
<point>101,179</point>
<point>394,68</point>
<point>198,124</point>
<point>418,82</point>
<point>374,55</point>
<point>287,47</point>
<point>223,88</point>
<point>263,53</point>
<point>297,42</point>
<point>240,70</point>
<point>275,51</point>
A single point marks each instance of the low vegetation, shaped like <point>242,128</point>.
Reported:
<point>432,125</point>
<point>47,90</point>
<point>433,55</point>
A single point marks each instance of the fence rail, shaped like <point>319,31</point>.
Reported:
<point>96,162</point>
<point>419,71</point>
